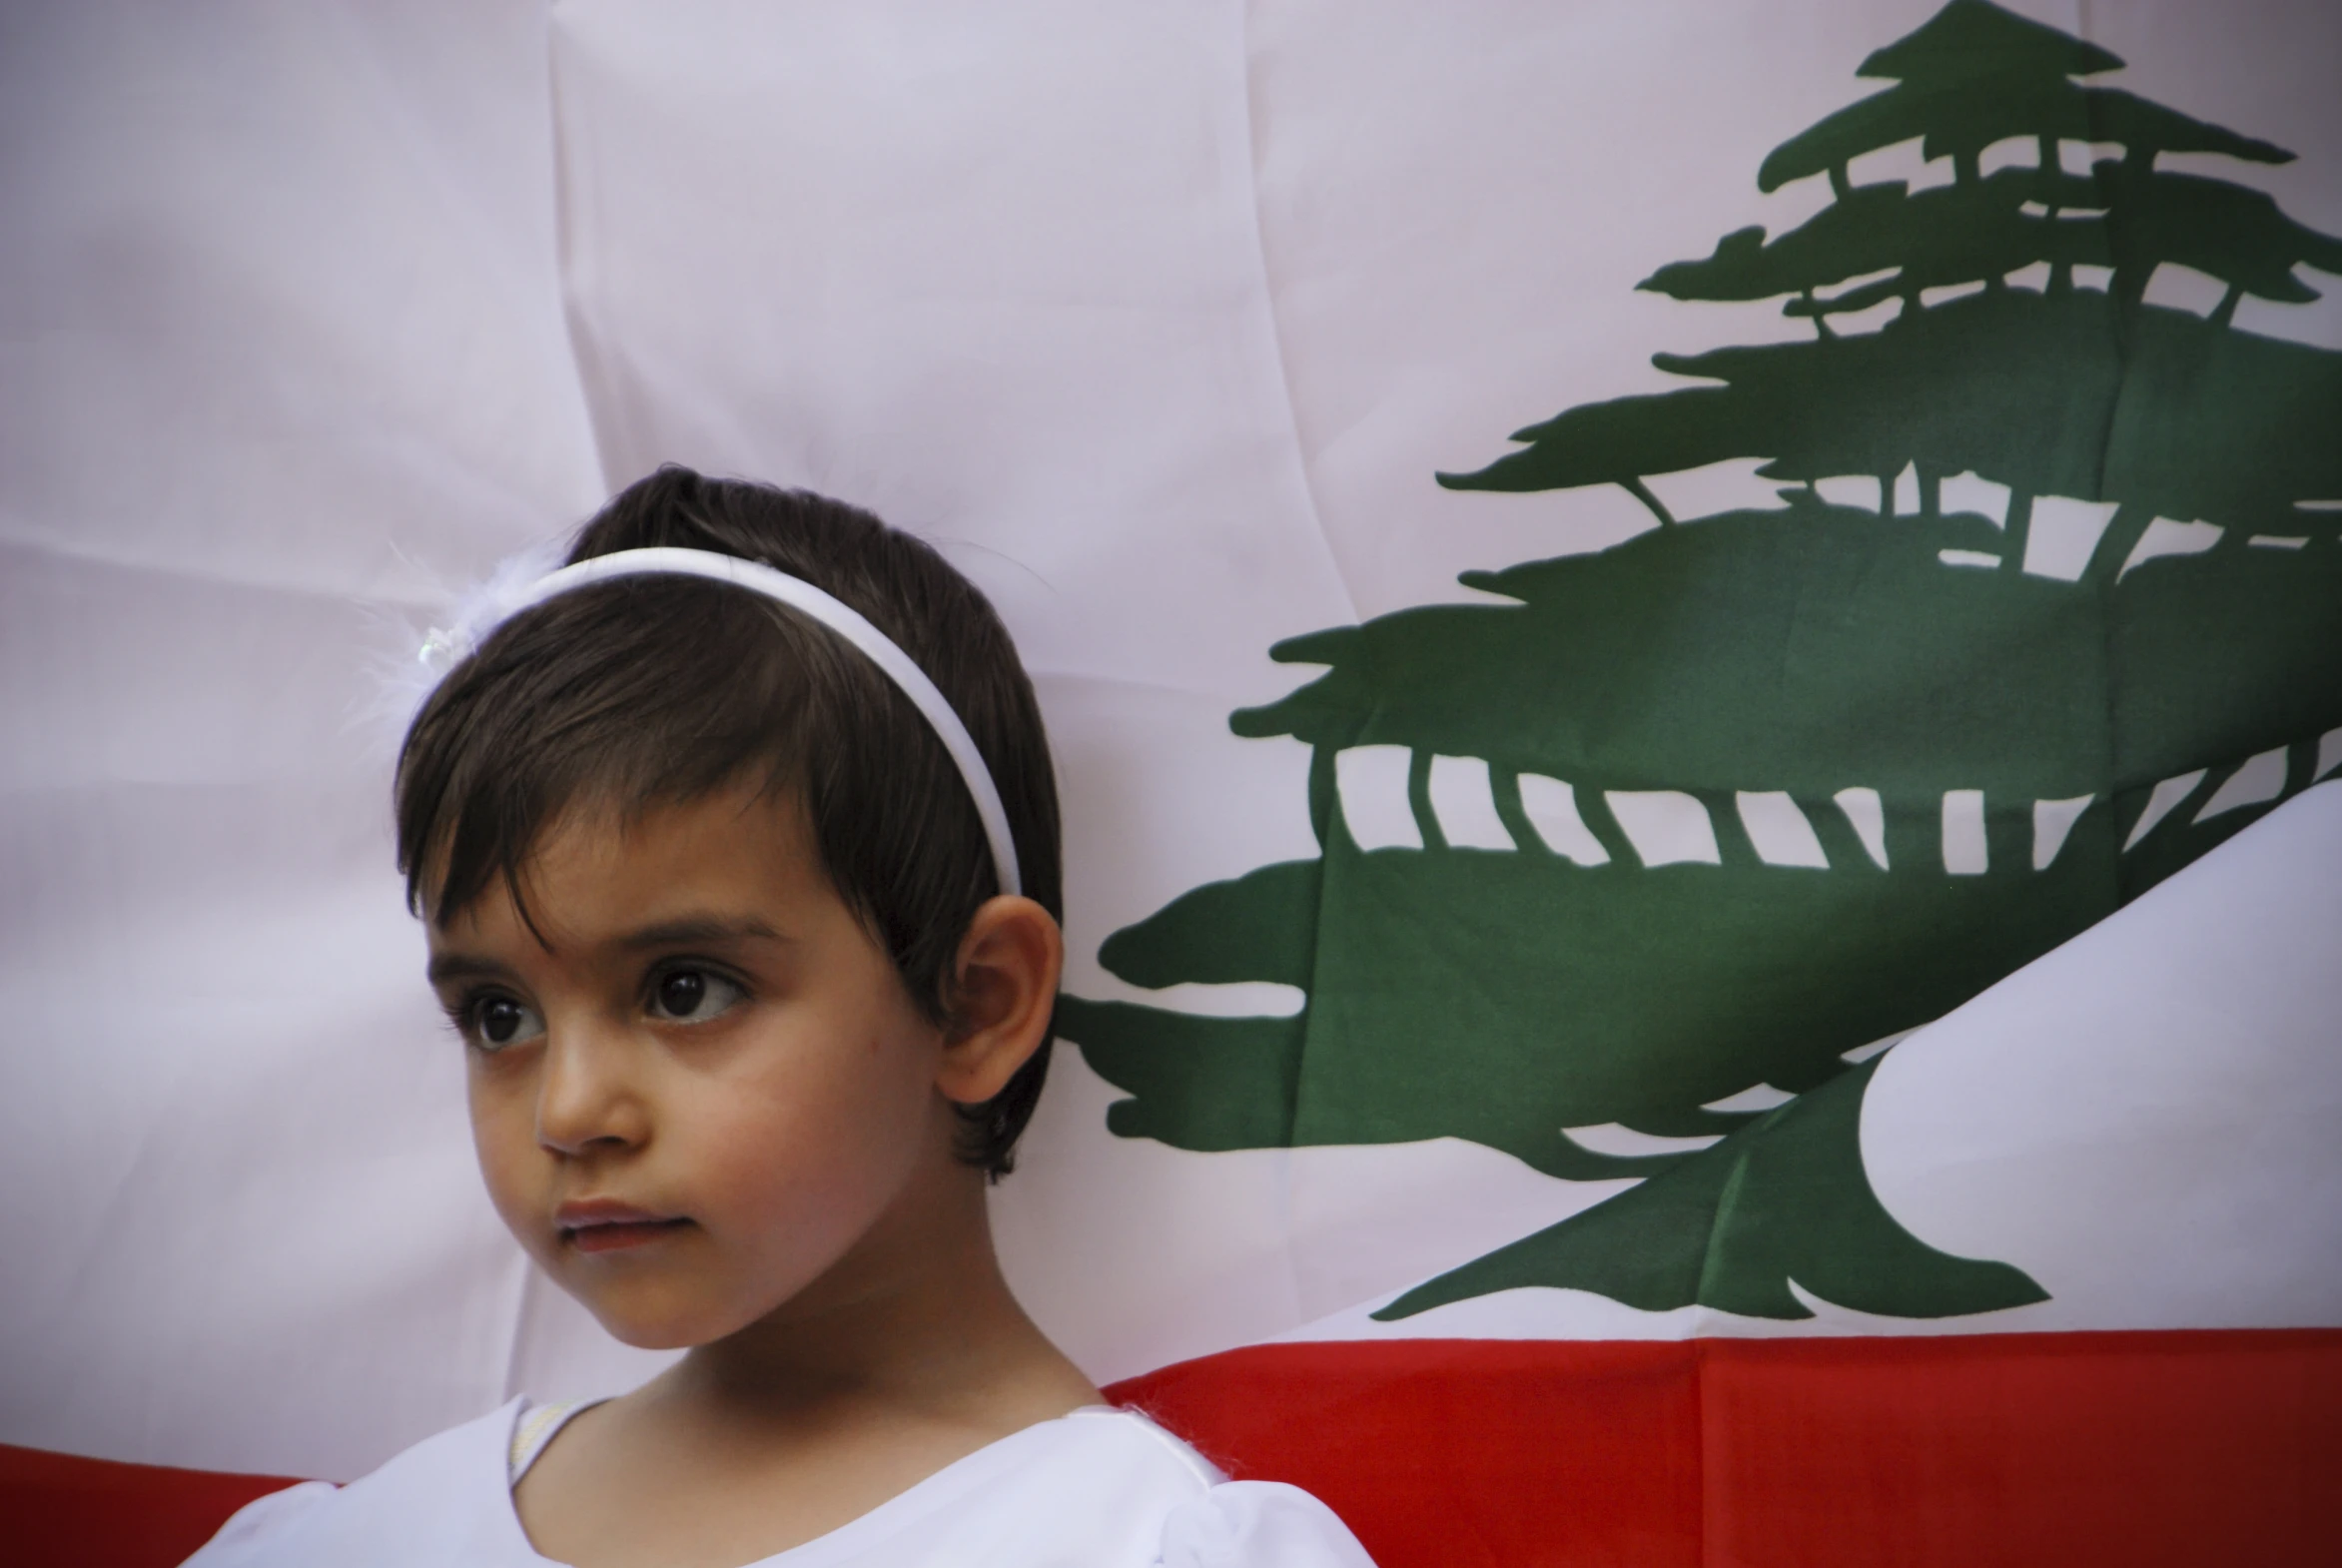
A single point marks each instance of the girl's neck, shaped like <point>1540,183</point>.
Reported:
<point>916,1321</point>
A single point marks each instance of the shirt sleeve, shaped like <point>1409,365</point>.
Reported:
<point>1258,1524</point>
<point>254,1531</point>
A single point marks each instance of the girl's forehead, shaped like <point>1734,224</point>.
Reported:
<point>737,858</point>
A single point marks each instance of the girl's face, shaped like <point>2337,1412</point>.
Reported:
<point>704,1090</point>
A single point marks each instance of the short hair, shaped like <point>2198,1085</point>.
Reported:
<point>656,690</point>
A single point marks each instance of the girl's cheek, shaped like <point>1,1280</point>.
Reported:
<point>503,1136</point>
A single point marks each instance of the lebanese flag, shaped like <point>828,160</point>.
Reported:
<point>1690,649</point>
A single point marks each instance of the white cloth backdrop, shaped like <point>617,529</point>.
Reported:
<point>1156,318</point>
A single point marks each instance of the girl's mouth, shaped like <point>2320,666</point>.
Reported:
<point>610,1235</point>
<point>601,1225</point>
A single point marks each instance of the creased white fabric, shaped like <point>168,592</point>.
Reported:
<point>1099,1488</point>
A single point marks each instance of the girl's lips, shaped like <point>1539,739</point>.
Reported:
<point>601,1224</point>
<point>610,1235</point>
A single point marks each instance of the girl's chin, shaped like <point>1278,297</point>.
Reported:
<point>653,1304</point>
<point>654,1315</point>
<point>658,1331</point>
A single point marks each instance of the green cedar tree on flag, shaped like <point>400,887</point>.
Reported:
<point>1694,826</point>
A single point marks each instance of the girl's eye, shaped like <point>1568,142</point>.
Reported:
<point>691,996</point>
<point>497,1022</point>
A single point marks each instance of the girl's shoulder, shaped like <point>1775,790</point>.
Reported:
<point>1100,1486</point>
<point>445,1499</point>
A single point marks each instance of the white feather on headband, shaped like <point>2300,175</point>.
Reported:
<point>404,681</point>
<point>487,605</point>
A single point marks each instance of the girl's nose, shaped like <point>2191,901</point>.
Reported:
<point>587,1098</point>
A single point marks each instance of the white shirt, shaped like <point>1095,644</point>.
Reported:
<point>1100,1488</point>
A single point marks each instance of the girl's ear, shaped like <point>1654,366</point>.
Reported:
<point>1004,989</point>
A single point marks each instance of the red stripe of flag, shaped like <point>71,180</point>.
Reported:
<point>2007,1449</point>
<point>2012,1450</point>
<point>59,1509</point>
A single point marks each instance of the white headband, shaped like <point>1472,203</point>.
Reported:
<point>798,595</point>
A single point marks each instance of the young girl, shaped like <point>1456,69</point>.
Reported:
<point>736,843</point>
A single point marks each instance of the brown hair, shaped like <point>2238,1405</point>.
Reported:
<point>658,690</point>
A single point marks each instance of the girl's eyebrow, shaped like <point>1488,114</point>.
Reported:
<point>701,929</point>
<point>444,967</point>
<point>685,930</point>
